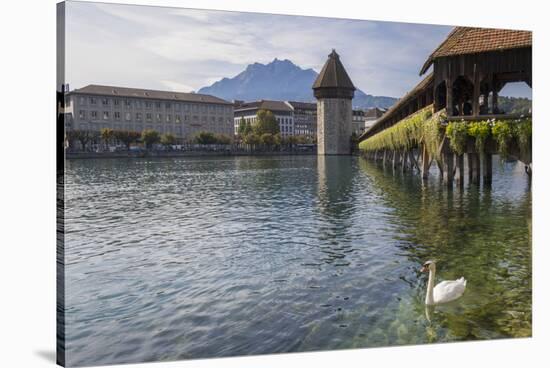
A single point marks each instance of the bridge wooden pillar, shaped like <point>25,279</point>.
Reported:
<point>425,162</point>
<point>404,160</point>
<point>473,167</point>
<point>385,157</point>
<point>448,164</point>
<point>459,160</point>
<point>487,168</point>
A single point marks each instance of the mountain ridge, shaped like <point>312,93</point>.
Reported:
<point>281,80</point>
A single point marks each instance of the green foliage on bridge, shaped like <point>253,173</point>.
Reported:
<point>430,129</point>
<point>502,131</point>
<point>422,126</point>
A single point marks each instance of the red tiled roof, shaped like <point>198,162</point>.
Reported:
<point>470,40</point>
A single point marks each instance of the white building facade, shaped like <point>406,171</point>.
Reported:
<point>246,111</point>
<point>181,114</point>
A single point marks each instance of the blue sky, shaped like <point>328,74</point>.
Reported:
<point>183,50</point>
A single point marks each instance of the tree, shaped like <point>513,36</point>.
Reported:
<point>150,137</point>
<point>107,134</point>
<point>167,139</point>
<point>247,128</point>
<point>205,138</point>
<point>242,127</point>
<point>267,139</point>
<point>127,137</point>
<point>252,139</point>
<point>265,123</point>
<point>84,137</point>
<point>277,139</point>
<point>223,139</point>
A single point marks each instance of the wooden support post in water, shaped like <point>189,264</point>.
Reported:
<point>459,160</point>
<point>473,167</point>
<point>385,157</point>
<point>448,167</point>
<point>404,160</point>
<point>425,162</point>
<point>487,168</point>
<point>394,159</point>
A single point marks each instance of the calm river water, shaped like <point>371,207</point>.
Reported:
<point>190,258</point>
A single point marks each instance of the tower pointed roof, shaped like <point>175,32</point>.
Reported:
<point>333,81</point>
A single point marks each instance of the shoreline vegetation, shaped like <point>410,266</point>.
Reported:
<point>262,137</point>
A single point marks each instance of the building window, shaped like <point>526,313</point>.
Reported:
<point>167,105</point>
<point>148,105</point>
<point>149,116</point>
<point>82,114</point>
<point>186,118</point>
<point>138,116</point>
<point>178,119</point>
<point>138,104</point>
<point>117,115</point>
<point>128,116</point>
<point>177,107</point>
<point>168,118</point>
<point>82,100</point>
<point>93,101</point>
<point>128,103</point>
<point>159,118</point>
<point>105,115</point>
<point>105,101</point>
<point>186,107</point>
<point>94,115</point>
<point>157,105</point>
<point>116,102</point>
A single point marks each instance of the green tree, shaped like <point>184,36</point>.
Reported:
<point>150,137</point>
<point>277,139</point>
<point>267,139</point>
<point>167,139</point>
<point>265,123</point>
<point>247,129</point>
<point>242,127</point>
<point>127,137</point>
<point>223,139</point>
<point>84,137</point>
<point>205,138</point>
<point>252,139</point>
<point>107,134</point>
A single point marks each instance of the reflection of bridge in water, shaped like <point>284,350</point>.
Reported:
<point>470,68</point>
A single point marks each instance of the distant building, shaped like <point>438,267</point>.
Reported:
<point>305,118</point>
<point>247,110</point>
<point>357,121</point>
<point>183,114</point>
<point>371,115</point>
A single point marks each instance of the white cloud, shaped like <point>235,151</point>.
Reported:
<point>173,48</point>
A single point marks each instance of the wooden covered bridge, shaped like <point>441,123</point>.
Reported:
<point>454,111</point>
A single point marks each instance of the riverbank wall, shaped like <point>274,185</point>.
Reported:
<point>175,154</point>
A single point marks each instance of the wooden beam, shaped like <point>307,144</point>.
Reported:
<point>473,167</point>
<point>449,90</point>
<point>448,165</point>
<point>477,88</point>
<point>425,162</point>
<point>459,160</point>
<point>487,168</point>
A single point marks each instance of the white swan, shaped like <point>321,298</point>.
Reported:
<point>445,291</point>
